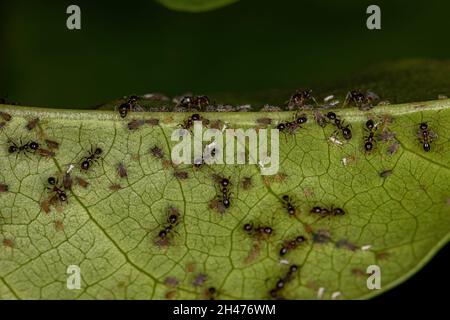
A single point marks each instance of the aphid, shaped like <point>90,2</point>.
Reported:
<point>263,121</point>
<point>46,153</point>
<point>320,118</point>
<point>288,205</point>
<point>92,157</point>
<point>328,212</point>
<point>81,182</point>
<point>2,125</point>
<point>386,173</point>
<point>291,244</point>
<point>157,152</point>
<point>62,196</point>
<point>181,175</point>
<point>299,98</point>
<point>67,181</point>
<point>121,170</point>
<point>52,144</point>
<point>32,124</point>
<point>135,124</point>
<point>115,187</point>
<point>201,102</point>
<point>3,188</point>
<point>27,147</point>
<point>246,183</point>
<point>6,116</point>
<point>425,136</point>
<point>152,122</point>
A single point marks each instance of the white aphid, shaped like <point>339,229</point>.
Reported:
<point>320,292</point>
<point>335,295</point>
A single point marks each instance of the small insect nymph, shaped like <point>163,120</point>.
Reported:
<point>121,170</point>
<point>32,124</point>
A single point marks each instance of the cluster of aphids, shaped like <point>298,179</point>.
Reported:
<point>327,211</point>
<point>281,283</point>
<point>340,125</point>
<point>173,218</point>
<point>292,126</point>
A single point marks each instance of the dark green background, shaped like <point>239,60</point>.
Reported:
<point>129,47</point>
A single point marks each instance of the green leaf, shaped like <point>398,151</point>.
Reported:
<point>196,5</point>
<point>397,222</point>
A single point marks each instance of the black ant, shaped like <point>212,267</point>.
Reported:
<point>425,136</point>
<point>288,205</point>
<point>339,124</point>
<point>291,244</point>
<point>299,98</point>
<point>62,196</point>
<point>292,126</point>
<point>27,147</point>
<point>225,196</point>
<point>361,100</point>
<point>274,293</point>
<point>328,212</point>
<point>129,105</point>
<point>93,156</point>
<point>263,231</point>
<point>198,101</point>
<point>172,220</point>
<point>369,140</point>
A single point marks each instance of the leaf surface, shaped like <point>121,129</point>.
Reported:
<point>396,222</point>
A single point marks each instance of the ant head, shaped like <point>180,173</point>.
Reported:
<point>34,145</point>
<point>370,124</point>
<point>98,151</point>
<point>51,181</point>
<point>423,126</point>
